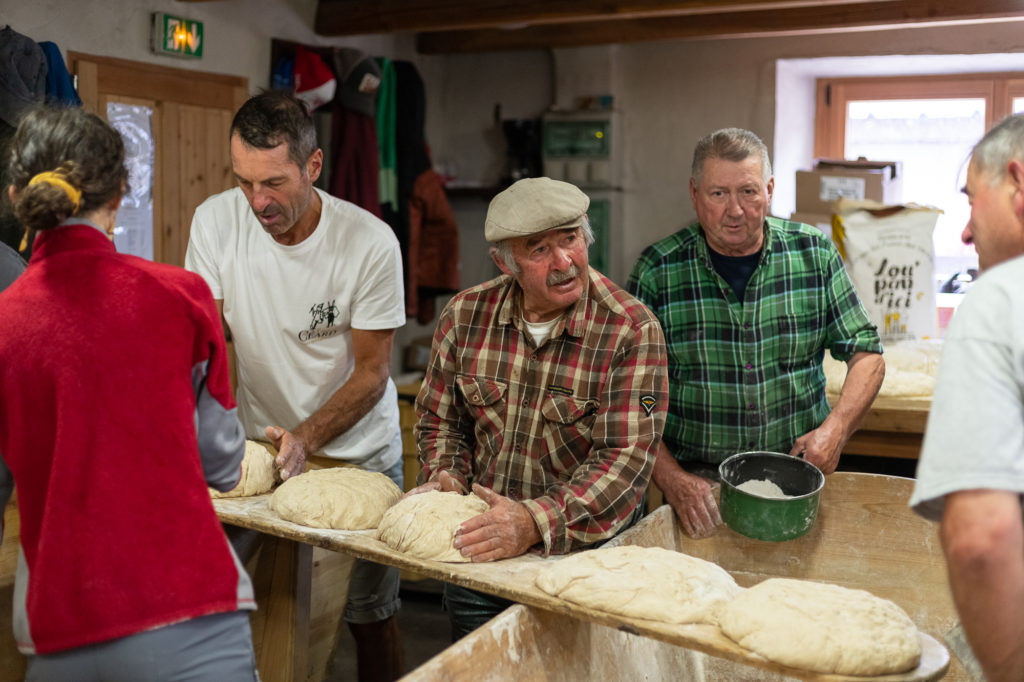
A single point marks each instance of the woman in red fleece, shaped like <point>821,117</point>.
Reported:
<point>115,414</point>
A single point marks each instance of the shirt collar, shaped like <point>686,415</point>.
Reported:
<point>704,251</point>
<point>70,235</point>
<point>573,322</point>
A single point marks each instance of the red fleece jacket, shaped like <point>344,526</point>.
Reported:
<point>98,427</point>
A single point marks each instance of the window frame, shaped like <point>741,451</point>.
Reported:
<point>832,95</point>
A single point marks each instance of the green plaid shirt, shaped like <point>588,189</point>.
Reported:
<point>747,375</point>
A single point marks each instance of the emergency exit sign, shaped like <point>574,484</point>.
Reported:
<point>177,36</point>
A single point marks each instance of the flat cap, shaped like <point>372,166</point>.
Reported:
<point>534,205</point>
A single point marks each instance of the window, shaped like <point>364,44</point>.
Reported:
<point>929,123</point>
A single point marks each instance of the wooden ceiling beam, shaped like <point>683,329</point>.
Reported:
<point>352,17</point>
<point>791,21</point>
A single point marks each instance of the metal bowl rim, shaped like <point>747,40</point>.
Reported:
<point>775,455</point>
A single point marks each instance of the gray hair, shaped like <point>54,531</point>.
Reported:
<point>1003,143</point>
<point>729,144</point>
<point>503,249</point>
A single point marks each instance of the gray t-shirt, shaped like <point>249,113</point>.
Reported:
<point>11,265</point>
<point>975,434</point>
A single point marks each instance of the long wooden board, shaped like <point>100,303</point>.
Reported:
<point>864,537</point>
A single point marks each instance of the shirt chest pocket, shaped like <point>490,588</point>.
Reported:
<point>568,431</point>
<point>800,337</point>
<point>486,404</point>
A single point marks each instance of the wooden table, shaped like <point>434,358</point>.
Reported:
<point>865,537</point>
<point>893,427</point>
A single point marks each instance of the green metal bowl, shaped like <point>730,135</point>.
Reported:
<point>765,518</point>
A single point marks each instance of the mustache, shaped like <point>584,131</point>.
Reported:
<point>556,278</point>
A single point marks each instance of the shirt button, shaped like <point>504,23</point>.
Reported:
<point>746,325</point>
<point>749,366</point>
<point>526,400</point>
<point>751,444</point>
<point>750,406</point>
<point>476,399</point>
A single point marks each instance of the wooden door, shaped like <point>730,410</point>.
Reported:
<point>192,112</point>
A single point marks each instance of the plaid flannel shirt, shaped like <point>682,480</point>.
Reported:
<point>747,375</point>
<point>569,428</point>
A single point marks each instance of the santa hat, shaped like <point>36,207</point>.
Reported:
<point>314,82</point>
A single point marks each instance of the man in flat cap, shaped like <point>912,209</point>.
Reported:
<point>545,393</point>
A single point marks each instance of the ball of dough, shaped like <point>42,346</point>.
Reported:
<point>424,525</point>
<point>824,628</point>
<point>652,583</point>
<point>258,471</point>
<point>342,498</point>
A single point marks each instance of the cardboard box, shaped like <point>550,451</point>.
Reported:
<point>817,189</point>
<point>822,221</point>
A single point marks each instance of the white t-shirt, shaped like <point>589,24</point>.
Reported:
<point>975,434</point>
<point>292,309</point>
<point>540,331</point>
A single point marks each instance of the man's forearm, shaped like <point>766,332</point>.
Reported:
<point>864,377</point>
<point>343,409</point>
<point>983,539</point>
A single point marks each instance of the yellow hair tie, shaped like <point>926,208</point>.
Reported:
<point>57,180</point>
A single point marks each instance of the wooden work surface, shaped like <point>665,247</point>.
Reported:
<point>893,427</point>
<point>865,537</point>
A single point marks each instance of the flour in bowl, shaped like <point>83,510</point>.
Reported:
<point>763,488</point>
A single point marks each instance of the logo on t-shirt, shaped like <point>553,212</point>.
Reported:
<point>321,326</point>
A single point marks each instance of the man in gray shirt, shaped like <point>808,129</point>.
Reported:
<point>971,473</point>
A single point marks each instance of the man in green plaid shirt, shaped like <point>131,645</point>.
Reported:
<point>748,305</point>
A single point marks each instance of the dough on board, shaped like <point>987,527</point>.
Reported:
<point>910,369</point>
<point>821,627</point>
<point>652,583</point>
<point>258,471</point>
<point>424,525</point>
<point>342,498</point>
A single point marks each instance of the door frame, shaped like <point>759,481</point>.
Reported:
<point>100,77</point>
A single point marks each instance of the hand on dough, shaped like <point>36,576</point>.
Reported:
<point>291,451</point>
<point>505,530</point>
<point>444,482</point>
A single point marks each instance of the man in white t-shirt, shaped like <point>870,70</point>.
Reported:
<point>310,287</point>
<point>971,472</point>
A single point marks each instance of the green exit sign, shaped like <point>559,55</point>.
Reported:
<point>177,36</point>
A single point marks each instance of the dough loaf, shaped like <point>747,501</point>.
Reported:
<point>910,369</point>
<point>258,471</point>
<point>652,583</point>
<point>342,498</point>
<point>823,628</point>
<point>424,525</point>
